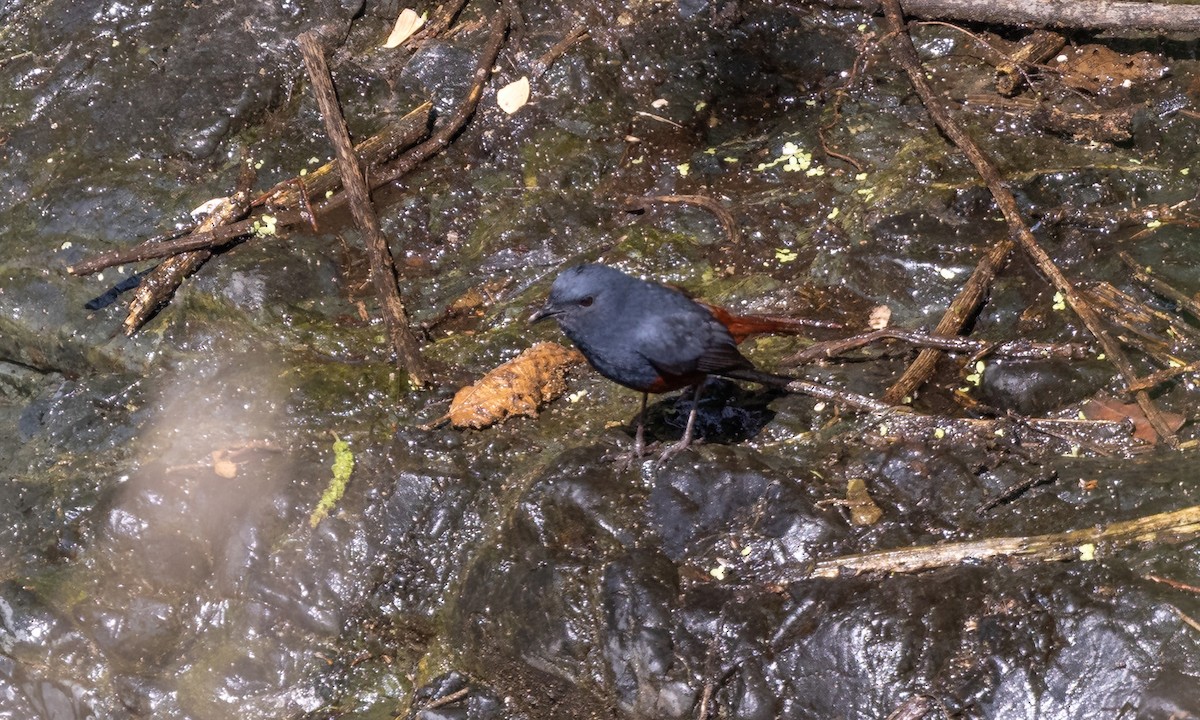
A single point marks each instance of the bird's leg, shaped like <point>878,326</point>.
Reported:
<point>639,440</point>
<point>625,459</point>
<point>686,440</point>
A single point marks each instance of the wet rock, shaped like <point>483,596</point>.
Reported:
<point>1034,388</point>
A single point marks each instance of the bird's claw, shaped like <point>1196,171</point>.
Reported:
<point>674,449</point>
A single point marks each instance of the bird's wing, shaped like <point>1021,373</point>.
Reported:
<point>689,342</point>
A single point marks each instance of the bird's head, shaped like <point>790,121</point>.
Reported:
<point>581,291</point>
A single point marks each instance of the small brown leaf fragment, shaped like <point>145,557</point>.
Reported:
<point>518,387</point>
<point>1097,68</point>
<point>879,318</point>
<point>1114,411</point>
<point>863,510</point>
<point>223,466</point>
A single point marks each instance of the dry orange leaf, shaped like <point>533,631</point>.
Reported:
<point>518,387</point>
<point>1112,410</point>
<point>408,23</point>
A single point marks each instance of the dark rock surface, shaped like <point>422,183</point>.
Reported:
<point>516,571</point>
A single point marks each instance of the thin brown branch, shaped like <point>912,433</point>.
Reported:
<point>1169,527</point>
<point>543,63</point>
<point>732,233</point>
<point>902,50</point>
<point>829,394</point>
<point>375,150</point>
<point>1158,287</point>
<point>1092,14</point>
<point>444,134</point>
<point>159,285</point>
<point>383,269</point>
<point>230,233</point>
<point>1020,349</point>
<point>956,317</point>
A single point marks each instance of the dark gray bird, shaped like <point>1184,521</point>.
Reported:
<point>654,338</point>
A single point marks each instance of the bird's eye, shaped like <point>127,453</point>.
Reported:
<point>587,301</point>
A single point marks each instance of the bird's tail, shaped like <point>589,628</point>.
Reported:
<point>743,326</point>
<point>758,376</point>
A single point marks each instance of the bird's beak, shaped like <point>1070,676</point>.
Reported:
<point>546,311</point>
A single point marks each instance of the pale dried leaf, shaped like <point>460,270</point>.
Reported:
<point>408,23</point>
<point>879,318</point>
<point>513,96</point>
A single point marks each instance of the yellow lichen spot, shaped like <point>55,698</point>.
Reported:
<point>1087,552</point>
<point>785,255</point>
<point>263,226</point>
<point>1060,303</point>
<point>684,169</point>
<point>719,571</point>
<point>833,214</point>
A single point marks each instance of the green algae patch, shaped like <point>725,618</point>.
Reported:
<point>343,465</point>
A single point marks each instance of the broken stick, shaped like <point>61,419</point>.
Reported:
<point>383,269</point>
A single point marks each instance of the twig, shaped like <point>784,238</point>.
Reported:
<point>854,400</point>
<point>1169,527</point>
<point>387,173</point>
<point>659,118</point>
<point>447,699</point>
<point>543,63</point>
<point>1158,287</point>
<point>1191,621</point>
<point>965,304</point>
<point>1022,349</point>
<point>1113,15</point>
<point>701,201</point>
<point>1012,491</point>
<point>159,284</point>
<point>316,185</point>
<point>383,270</point>
<point>444,134</point>
<point>371,152</point>
<point>1195,589</point>
<point>903,51</point>
<point>1159,377</point>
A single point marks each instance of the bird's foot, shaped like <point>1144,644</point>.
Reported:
<point>674,449</point>
<point>624,459</point>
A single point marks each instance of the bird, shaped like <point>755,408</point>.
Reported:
<point>654,338</point>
